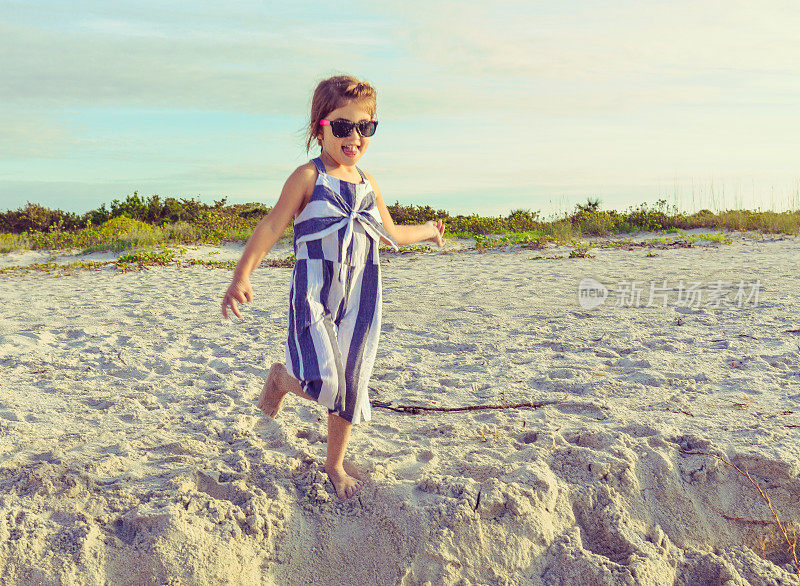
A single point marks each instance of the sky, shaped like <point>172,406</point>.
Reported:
<point>483,107</point>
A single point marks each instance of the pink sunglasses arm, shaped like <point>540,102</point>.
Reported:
<point>325,122</point>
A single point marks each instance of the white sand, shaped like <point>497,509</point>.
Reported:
<point>131,451</point>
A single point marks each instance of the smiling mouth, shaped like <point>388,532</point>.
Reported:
<point>350,151</point>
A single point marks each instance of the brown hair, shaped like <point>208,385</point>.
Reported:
<point>333,93</point>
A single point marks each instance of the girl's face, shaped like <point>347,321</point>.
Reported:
<point>348,150</point>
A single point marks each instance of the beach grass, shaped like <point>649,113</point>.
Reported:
<point>137,222</point>
<point>580,251</point>
<point>137,260</point>
<point>786,530</point>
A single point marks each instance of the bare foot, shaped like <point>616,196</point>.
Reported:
<point>271,399</point>
<point>355,471</point>
<point>346,486</point>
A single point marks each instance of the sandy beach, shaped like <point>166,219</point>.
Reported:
<point>132,452</point>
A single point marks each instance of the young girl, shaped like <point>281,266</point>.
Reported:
<point>335,298</point>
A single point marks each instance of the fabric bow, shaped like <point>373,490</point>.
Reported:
<point>329,215</point>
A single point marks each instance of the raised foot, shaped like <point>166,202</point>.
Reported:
<point>346,485</point>
<point>271,399</point>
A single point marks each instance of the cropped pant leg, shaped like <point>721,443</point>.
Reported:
<point>333,334</point>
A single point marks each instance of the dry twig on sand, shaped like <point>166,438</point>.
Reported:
<point>791,542</point>
<point>417,409</point>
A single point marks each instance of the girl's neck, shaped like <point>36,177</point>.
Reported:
<point>338,170</point>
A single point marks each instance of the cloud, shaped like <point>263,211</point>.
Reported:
<point>593,57</point>
<point>471,95</point>
<point>66,69</point>
<point>461,57</point>
<point>586,39</point>
<point>27,134</point>
<point>198,58</point>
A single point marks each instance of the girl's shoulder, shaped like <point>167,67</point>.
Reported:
<point>307,169</point>
<point>306,175</point>
<point>368,175</point>
<point>301,183</point>
<point>372,183</point>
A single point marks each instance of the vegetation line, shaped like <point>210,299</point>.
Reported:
<point>137,222</point>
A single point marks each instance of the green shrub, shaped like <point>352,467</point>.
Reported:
<point>411,214</point>
<point>36,218</point>
<point>134,207</point>
<point>123,226</point>
<point>138,221</point>
<point>522,221</point>
<point>148,257</point>
<point>596,223</point>
<point>476,225</point>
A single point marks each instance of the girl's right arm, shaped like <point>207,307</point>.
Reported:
<point>298,186</point>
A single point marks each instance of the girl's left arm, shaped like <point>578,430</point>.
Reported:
<point>432,231</point>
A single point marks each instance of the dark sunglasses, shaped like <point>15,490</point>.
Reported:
<point>343,128</point>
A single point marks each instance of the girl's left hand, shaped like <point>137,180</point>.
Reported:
<point>438,227</point>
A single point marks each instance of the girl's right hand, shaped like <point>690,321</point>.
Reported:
<point>239,290</point>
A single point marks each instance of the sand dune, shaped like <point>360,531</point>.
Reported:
<point>131,451</point>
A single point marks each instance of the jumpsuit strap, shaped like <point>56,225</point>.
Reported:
<point>319,164</point>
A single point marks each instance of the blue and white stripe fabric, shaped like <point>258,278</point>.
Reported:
<point>335,299</point>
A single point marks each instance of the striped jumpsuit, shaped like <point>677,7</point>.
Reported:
<point>335,299</point>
